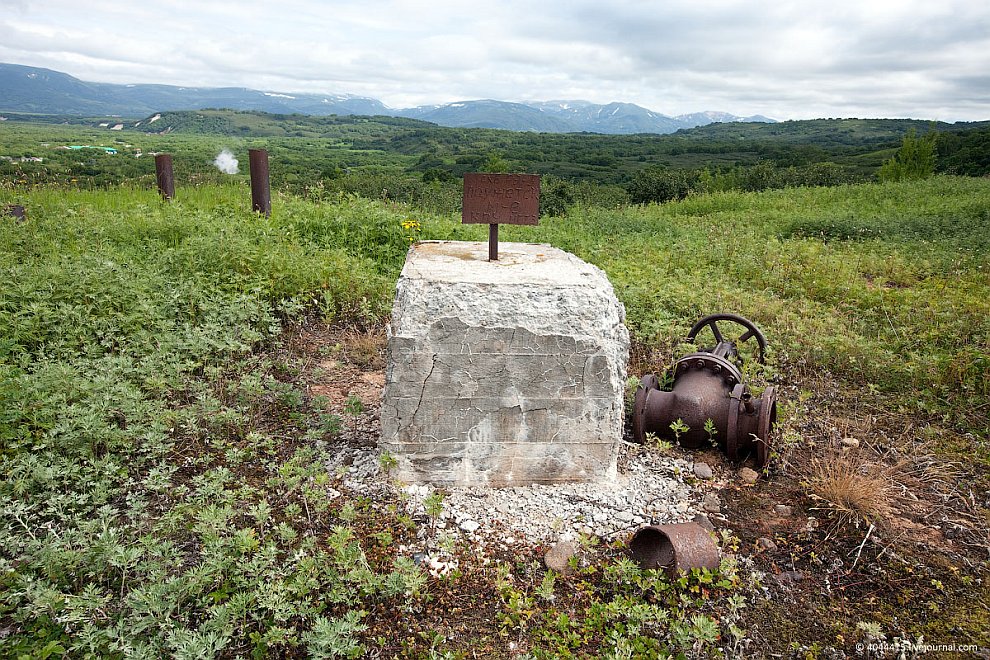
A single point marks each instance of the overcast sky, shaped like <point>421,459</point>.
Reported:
<point>785,59</point>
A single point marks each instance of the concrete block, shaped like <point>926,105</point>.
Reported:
<point>503,373</point>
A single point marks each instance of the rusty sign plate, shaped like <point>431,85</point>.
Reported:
<point>508,199</point>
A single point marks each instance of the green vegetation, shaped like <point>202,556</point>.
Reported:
<point>914,160</point>
<point>128,525</point>
<point>420,163</point>
<point>165,490</point>
<point>622,611</point>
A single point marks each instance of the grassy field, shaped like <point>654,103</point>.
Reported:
<point>163,481</point>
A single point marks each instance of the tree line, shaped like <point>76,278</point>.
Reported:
<point>422,164</point>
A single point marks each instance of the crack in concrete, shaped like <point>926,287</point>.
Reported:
<point>422,390</point>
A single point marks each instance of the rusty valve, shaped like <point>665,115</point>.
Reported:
<point>708,386</point>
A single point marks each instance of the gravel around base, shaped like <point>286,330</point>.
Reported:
<point>650,489</point>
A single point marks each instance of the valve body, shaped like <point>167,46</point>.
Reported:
<point>707,386</point>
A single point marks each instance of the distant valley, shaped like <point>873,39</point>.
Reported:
<point>43,91</point>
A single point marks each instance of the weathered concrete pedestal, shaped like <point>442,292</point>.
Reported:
<point>503,373</point>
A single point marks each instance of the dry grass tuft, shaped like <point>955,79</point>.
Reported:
<point>366,350</point>
<point>853,488</point>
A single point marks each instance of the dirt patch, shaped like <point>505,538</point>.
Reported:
<point>836,577</point>
<point>823,580</point>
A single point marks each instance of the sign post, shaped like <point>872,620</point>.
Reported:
<point>493,199</point>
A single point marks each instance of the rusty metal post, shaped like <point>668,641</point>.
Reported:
<point>261,195</point>
<point>493,242</point>
<point>165,176</point>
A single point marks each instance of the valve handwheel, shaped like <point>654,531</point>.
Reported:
<point>751,332</point>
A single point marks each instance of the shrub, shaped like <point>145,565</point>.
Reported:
<point>914,160</point>
<point>556,196</point>
<point>658,185</point>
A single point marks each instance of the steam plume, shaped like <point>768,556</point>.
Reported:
<point>225,162</point>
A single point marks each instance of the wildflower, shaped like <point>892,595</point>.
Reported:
<point>412,227</point>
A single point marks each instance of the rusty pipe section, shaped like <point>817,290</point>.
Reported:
<point>674,548</point>
<point>261,193</point>
<point>707,385</point>
<point>165,176</point>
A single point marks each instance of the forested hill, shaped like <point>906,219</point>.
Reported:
<point>821,132</point>
<point>857,146</point>
<point>833,132</point>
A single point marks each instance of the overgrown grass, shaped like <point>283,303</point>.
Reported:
<point>117,314</point>
<point>902,307</point>
<point>145,437</point>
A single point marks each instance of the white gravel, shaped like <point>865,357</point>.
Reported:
<point>650,489</point>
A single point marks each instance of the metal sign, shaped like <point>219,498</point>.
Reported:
<point>507,199</point>
<point>493,199</point>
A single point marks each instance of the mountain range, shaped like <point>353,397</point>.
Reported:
<point>44,91</point>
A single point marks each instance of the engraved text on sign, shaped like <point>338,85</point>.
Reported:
<point>509,199</point>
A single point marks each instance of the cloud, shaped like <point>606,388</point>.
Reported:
<point>788,59</point>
